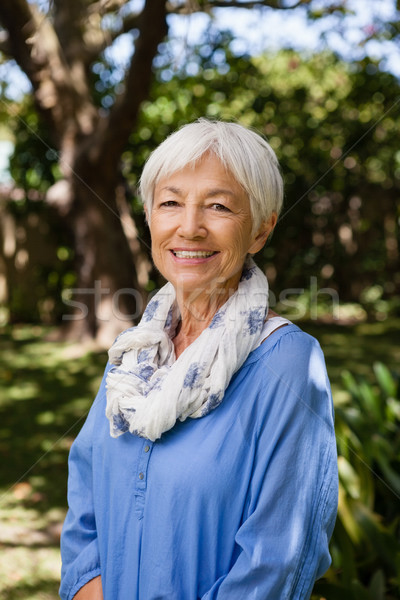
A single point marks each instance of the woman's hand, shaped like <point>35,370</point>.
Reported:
<point>91,591</point>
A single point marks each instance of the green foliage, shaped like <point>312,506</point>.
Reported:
<point>366,541</point>
<point>35,291</point>
<point>46,389</point>
<point>335,129</point>
<point>46,239</point>
<point>34,164</point>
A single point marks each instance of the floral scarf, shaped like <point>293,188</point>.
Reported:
<point>148,389</point>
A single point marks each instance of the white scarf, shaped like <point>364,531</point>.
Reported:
<point>148,389</point>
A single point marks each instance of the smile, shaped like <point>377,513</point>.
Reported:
<point>192,254</point>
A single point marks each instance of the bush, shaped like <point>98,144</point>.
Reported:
<point>365,545</point>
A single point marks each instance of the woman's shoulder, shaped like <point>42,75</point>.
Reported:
<point>292,355</point>
<point>288,373</point>
<point>285,342</point>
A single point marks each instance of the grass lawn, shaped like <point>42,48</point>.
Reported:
<point>46,389</point>
<point>45,394</point>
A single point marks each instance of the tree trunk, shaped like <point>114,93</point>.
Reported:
<point>107,297</point>
<point>57,57</point>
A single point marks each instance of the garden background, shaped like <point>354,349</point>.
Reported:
<point>88,89</point>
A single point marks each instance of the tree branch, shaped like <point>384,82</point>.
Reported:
<point>97,43</point>
<point>104,7</point>
<point>68,20</point>
<point>271,3</point>
<point>123,115</point>
<point>36,48</point>
<point>19,21</point>
<point>190,6</point>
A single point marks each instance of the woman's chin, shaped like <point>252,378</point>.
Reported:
<point>188,284</point>
<point>197,288</point>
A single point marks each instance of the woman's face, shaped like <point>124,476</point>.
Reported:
<point>201,229</point>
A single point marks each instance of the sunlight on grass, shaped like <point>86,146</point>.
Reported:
<point>30,565</point>
<point>30,573</point>
<point>23,390</point>
<point>46,389</point>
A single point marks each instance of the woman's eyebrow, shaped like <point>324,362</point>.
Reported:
<point>173,189</point>
<point>211,193</point>
<point>219,192</point>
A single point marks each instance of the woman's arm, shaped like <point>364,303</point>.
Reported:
<point>292,499</point>
<point>91,591</point>
<point>79,544</point>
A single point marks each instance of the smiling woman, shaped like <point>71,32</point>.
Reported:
<point>201,231</point>
<point>193,477</point>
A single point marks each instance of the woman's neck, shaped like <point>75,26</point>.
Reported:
<point>196,316</point>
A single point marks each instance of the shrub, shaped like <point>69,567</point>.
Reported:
<point>365,546</point>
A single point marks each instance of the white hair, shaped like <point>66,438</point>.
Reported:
<point>243,152</point>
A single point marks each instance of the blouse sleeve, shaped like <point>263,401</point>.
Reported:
<point>79,546</point>
<point>292,499</point>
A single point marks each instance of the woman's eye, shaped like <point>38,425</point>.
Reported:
<point>220,207</point>
<point>168,203</point>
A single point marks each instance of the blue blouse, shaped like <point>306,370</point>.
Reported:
<point>239,504</point>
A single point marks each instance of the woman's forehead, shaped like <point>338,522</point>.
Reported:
<point>208,172</point>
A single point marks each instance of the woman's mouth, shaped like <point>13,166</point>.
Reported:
<point>193,253</point>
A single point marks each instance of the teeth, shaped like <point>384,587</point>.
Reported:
<point>191,254</point>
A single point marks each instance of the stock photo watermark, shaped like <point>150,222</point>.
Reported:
<point>295,303</point>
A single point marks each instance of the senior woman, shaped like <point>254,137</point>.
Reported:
<point>206,468</point>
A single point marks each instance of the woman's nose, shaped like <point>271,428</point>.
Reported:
<point>192,223</point>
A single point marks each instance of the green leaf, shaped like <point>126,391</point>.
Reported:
<point>385,380</point>
<point>349,477</point>
<point>392,476</point>
<point>377,586</point>
<point>370,400</point>
<point>350,384</point>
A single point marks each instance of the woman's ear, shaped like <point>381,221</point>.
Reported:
<point>146,213</point>
<point>263,233</point>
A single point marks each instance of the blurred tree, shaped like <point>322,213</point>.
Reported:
<point>337,160</point>
<point>335,128</point>
<point>59,45</point>
<point>90,113</point>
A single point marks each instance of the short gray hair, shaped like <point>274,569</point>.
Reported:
<point>243,152</point>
